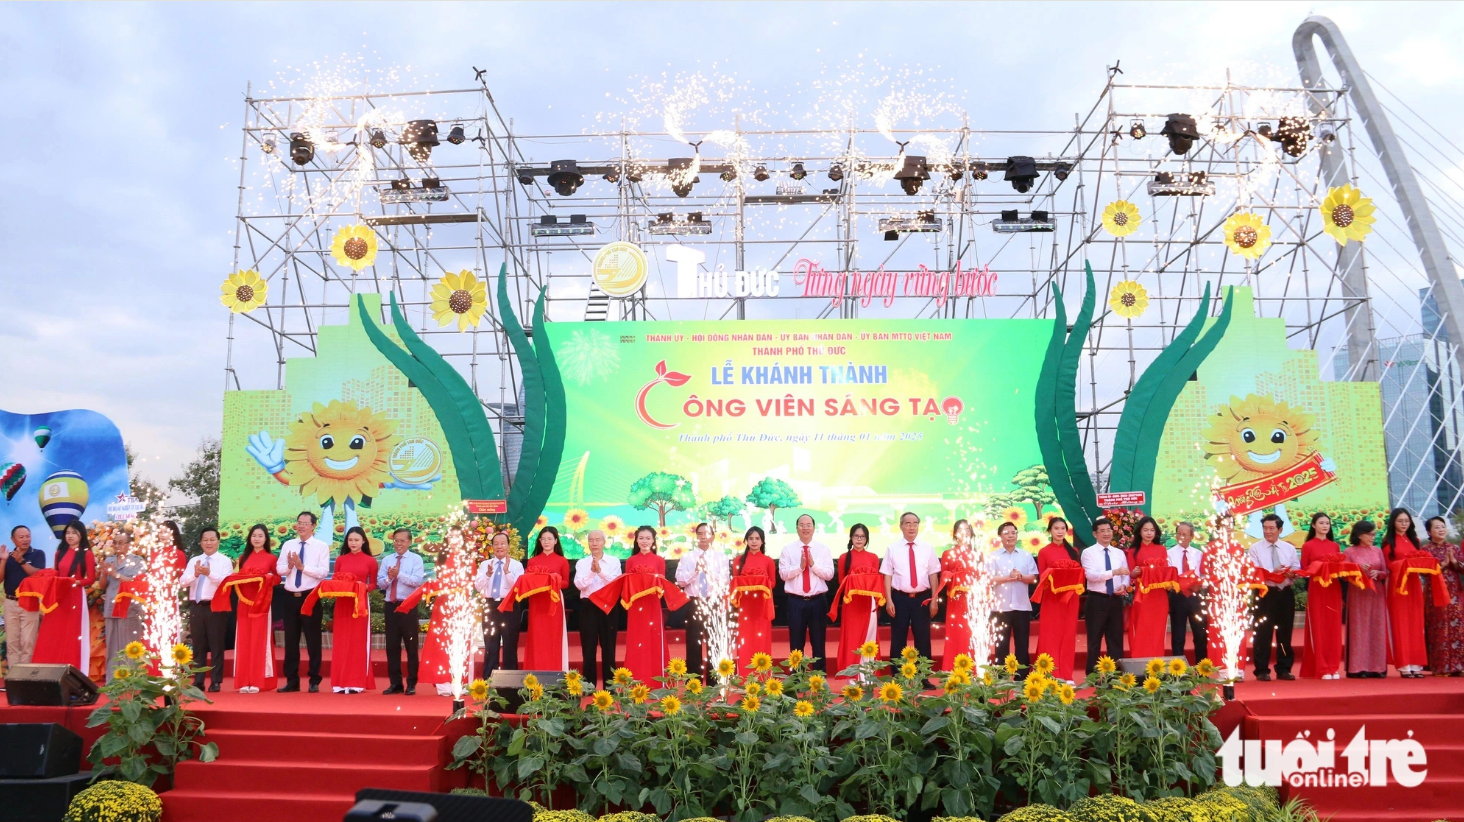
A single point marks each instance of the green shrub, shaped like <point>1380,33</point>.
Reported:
<point>115,801</point>
<point>1222,806</point>
<point>563,816</point>
<point>1036,813</point>
<point>1108,808</point>
<point>1177,809</point>
<point>629,816</point>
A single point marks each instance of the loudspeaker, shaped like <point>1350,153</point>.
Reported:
<point>38,750</point>
<point>49,685</point>
<point>507,684</point>
<point>32,800</point>
<point>1138,665</point>
<point>450,807</point>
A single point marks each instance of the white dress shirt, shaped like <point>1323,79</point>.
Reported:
<point>410,575</point>
<point>1098,575</point>
<point>713,576</point>
<point>1262,554</point>
<point>896,564</point>
<point>1192,555</point>
<point>202,588</point>
<point>510,569</point>
<point>820,571</point>
<point>313,554</point>
<point>587,581</point>
<point>1011,595</point>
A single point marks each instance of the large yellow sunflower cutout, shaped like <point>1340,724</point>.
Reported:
<point>354,246</point>
<point>1258,436</point>
<point>1347,215</point>
<point>243,291</point>
<point>1121,218</point>
<point>339,451</point>
<point>1247,235</point>
<point>461,297</point>
<point>1128,299</point>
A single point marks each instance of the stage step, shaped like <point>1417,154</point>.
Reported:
<point>197,805</point>
<point>325,748</point>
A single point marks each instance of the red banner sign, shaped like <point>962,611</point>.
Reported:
<point>486,506</point>
<point>1289,483</point>
<point>1121,499</point>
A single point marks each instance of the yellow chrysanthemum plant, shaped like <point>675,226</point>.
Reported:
<point>1347,215</point>
<point>460,298</point>
<point>1247,234</point>
<point>1128,299</point>
<point>243,291</point>
<point>1121,218</point>
<point>354,246</point>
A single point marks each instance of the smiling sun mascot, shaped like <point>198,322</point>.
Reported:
<point>337,453</point>
<point>1266,453</point>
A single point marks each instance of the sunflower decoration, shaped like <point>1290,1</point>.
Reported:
<point>962,662</point>
<point>182,654</point>
<point>1121,218</point>
<point>339,451</point>
<point>1106,665</point>
<point>987,679</point>
<point>752,688</point>
<point>640,694</point>
<point>461,297</point>
<point>795,659</point>
<point>603,701</point>
<point>891,692</point>
<point>122,673</point>
<point>575,519</point>
<point>670,705</point>
<point>613,526</point>
<point>694,686</point>
<point>243,291</point>
<point>1014,515</point>
<point>762,662</point>
<point>950,686</point>
<point>853,693</point>
<point>622,676</point>
<point>909,654</point>
<point>1044,664</point>
<point>1128,299</point>
<point>531,681</point>
<point>1011,664</point>
<point>1034,689</point>
<point>803,709</point>
<point>908,670</point>
<point>574,687</point>
<point>869,650</point>
<point>1155,667</point>
<point>1177,667</point>
<point>1205,668</point>
<point>751,704</point>
<point>775,687</point>
<point>816,683</point>
<point>1152,684</point>
<point>536,693</point>
<point>540,522</point>
<point>478,690</point>
<point>677,667</point>
<point>726,668</point>
<point>354,247</point>
<point>1347,215</point>
<point>1247,235</point>
<point>1066,693</point>
<point>1126,681</point>
<point>135,650</point>
<point>1034,541</point>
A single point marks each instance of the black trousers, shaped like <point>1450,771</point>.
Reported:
<point>911,616</point>
<point>1187,611</point>
<point>210,633</point>
<point>401,629</point>
<point>597,637</point>
<point>696,640</point>
<point>1014,628</point>
<point>500,635</point>
<point>1276,611</point>
<point>1105,625</point>
<point>810,617</point>
<point>295,624</point>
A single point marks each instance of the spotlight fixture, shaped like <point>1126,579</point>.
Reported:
<point>1182,133</point>
<point>836,172</point>
<point>612,176</point>
<point>525,178</point>
<point>729,175</point>
<point>798,173</point>
<point>760,174</point>
<point>1137,130</point>
<point>921,222</point>
<point>667,223</point>
<point>677,171</point>
<point>404,184</point>
<point>1021,172</point>
<point>1264,130</point>
<point>1062,170</point>
<point>456,136</point>
<point>564,177</point>
<point>1010,223</point>
<point>549,226</point>
<point>955,174</point>
<point>891,236</point>
<point>633,175</point>
<point>431,191</point>
<point>1328,137</point>
<point>302,151</point>
<point>1184,184</point>
<point>979,174</point>
<point>912,173</point>
<point>431,183</point>
<point>267,144</point>
<point>378,139</point>
<point>1294,134</point>
<point>420,137</point>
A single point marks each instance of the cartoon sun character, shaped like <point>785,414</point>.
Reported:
<point>1248,439</point>
<point>336,453</point>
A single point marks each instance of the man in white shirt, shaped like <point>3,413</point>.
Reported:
<point>1108,580</point>
<point>208,629</point>
<point>701,573</point>
<point>398,577</point>
<point>1011,572</point>
<point>1277,609</point>
<point>806,567</point>
<point>304,561</point>
<point>495,578</point>
<point>1187,611</point>
<point>912,573</point>
<point>597,628</point>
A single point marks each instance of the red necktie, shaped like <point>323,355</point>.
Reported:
<point>807,584</point>
<point>912,566</point>
<point>1184,560</point>
<point>393,596</point>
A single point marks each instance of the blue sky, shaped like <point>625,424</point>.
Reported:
<point>121,120</point>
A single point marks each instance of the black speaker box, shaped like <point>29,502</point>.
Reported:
<point>40,800</point>
<point>450,807</point>
<point>49,685</point>
<point>507,684</point>
<point>37,750</point>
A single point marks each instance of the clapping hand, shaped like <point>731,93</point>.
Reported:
<point>391,573</point>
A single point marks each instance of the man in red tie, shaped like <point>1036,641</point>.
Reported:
<point>912,574</point>
<point>1187,611</point>
<point>806,567</point>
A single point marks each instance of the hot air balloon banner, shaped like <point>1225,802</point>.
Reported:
<point>57,468</point>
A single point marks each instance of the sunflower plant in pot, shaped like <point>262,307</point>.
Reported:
<point>150,728</point>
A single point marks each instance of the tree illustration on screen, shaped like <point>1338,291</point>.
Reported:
<point>1033,488</point>
<point>773,494</point>
<point>663,492</point>
<point>723,509</point>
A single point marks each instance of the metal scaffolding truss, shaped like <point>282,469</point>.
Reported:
<point>767,198</point>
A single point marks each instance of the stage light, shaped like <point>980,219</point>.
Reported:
<point>891,236</point>
<point>1009,215</point>
<point>729,175</point>
<point>1061,171</point>
<point>525,178</point>
<point>549,226</point>
<point>1137,130</point>
<point>1010,223</point>
<point>1294,134</point>
<point>760,174</point>
<point>612,177</point>
<point>420,137</point>
<point>1328,137</point>
<point>404,184</point>
<point>677,170</point>
<point>955,174</point>
<point>564,177</point>
<point>668,224</point>
<point>378,139</point>
<point>1182,133</point>
<point>456,136</point>
<point>912,173</point>
<point>979,174</point>
<point>431,183</point>
<point>633,176</point>
<point>798,173</point>
<point>1264,130</point>
<point>836,172</point>
<point>302,151</point>
<point>922,222</point>
<point>431,191</point>
<point>1021,172</point>
<point>267,144</point>
<point>1186,184</point>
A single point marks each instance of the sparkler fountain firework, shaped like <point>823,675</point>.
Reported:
<point>459,604</point>
<point>162,624</point>
<point>1228,605</point>
<point>718,618</point>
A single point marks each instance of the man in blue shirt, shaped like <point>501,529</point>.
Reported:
<point>20,625</point>
<point>399,577</point>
